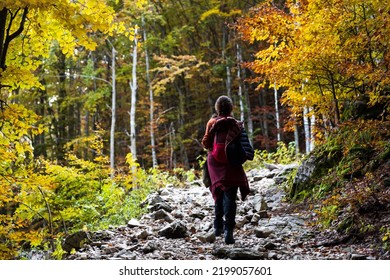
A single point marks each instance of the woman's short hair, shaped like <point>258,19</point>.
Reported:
<point>223,105</point>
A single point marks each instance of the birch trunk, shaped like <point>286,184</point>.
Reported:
<point>133,87</point>
<point>241,101</point>
<point>228,72</point>
<point>113,115</point>
<point>151,99</point>
<point>296,137</point>
<point>247,110</point>
<point>306,126</point>
<point>312,125</point>
<point>279,137</point>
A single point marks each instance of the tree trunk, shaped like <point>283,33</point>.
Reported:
<point>335,101</point>
<point>3,22</point>
<point>151,99</point>
<point>5,36</point>
<point>133,87</point>
<point>183,151</point>
<point>62,112</point>
<point>296,137</point>
<point>312,126</point>
<point>227,67</point>
<point>277,115</point>
<point>39,140</point>
<point>241,101</point>
<point>264,122</point>
<point>242,87</point>
<point>113,114</point>
<point>306,126</point>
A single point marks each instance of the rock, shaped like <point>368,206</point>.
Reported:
<point>239,254</point>
<point>174,230</point>
<point>75,241</point>
<point>152,199</point>
<point>166,191</point>
<point>206,226</point>
<point>289,168</point>
<point>255,219</point>
<point>128,256</point>
<point>263,214</point>
<point>304,173</point>
<point>110,249</point>
<point>162,215</point>
<point>160,206</point>
<point>150,247</point>
<point>83,256</point>
<point>263,173</point>
<point>270,246</point>
<point>133,223</point>
<point>143,234</point>
<point>271,166</point>
<point>280,179</point>
<point>208,237</point>
<point>177,214</point>
<point>266,183</point>
<point>258,202</point>
<point>197,214</point>
<point>241,221</point>
<point>263,232</point>
<point>273,255</point>
<point>358,257</point>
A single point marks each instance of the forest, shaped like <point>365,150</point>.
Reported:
<point>104,101</point>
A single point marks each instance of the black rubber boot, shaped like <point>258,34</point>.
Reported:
<point>229,239</point>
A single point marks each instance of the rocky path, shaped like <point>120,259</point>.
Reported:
<point>179,226</point>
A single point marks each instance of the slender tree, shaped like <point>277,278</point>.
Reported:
<point>113,112</point>
<point>133,87</point>
<point>151,97</point>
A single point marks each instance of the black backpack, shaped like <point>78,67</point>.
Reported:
<point>240,150</point>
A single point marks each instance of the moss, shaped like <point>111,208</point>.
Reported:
<point>385,155</point>
<point>345,225</point>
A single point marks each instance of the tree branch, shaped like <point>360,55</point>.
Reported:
<point>9,37</point>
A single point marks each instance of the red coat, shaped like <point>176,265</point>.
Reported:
<point>223,175</point>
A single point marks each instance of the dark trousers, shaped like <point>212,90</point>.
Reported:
<point>226,206</point>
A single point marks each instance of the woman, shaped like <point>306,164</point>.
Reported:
<point>226,174</point>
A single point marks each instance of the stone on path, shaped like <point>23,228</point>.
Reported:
<point>174,230</point>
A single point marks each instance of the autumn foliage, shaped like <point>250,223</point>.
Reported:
<point>329,55</point>
<point>328,60</point>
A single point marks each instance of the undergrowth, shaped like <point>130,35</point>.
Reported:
<point>350,184</point>
<point>48,201</point>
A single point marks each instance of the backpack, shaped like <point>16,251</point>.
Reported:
<point>240,150</point>
<point>219,150</point>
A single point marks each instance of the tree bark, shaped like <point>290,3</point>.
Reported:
<point>241,101</point>
<point>5,35</point>
<point>277,114</point>
<point>133,87</point>
<point>296,137</point>
<point>151,99</point>
<point>113,113</point>
<point>312,126</point>
<point>306,125</point>
<point>227,67</point>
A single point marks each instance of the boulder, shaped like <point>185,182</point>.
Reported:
<point>208,237</point>
<point>162,215</point>
<point>174,230</point>
<point>239,254</point>
<point>262,232</point>
<point>75,241</point>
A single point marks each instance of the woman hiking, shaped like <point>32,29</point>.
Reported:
<point>225,168</point>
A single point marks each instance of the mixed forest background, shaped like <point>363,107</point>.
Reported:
<point>102,101</point>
